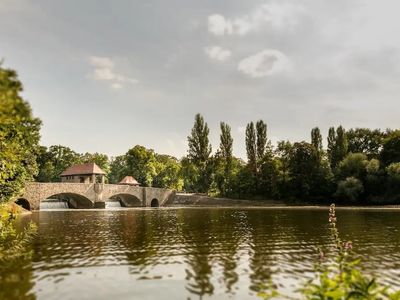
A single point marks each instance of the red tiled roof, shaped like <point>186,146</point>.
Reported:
<point>129,180</point>
<point>84,169</point>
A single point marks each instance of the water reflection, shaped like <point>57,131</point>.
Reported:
<point>192,253</point>
<point>16,275</point>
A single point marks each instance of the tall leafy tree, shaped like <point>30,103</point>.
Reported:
<point>337,146</point>
<point>200,151</point>
<point>331,146</point>
<point>226,142</point>
<point>223,159</point>
<point>19,137</point>
<point>316,141</point>
<point>341,143</point>
<point>251,147</point>
<point>261,128</point>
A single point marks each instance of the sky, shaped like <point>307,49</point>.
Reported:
<point>104,76</point>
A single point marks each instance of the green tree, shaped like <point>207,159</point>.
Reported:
<point>283,154</point>
<point>141,164</point>
<point>304,167</point>
<point>316,141</point>
<point>168,170</point>
<point>226,142</point>
<point>353,165</point>
<point>337,146</point>
<point>393,181</point>
<point>365,140</point>
<point>269,177</point>
<point>391,149</point>
<point>223,159</point>
<point>190,175</point>
<point>19,137</point>
<point>251,147</point>
<point>341,144</point>
<point>99,159</point>
<point>262,140</point>
<point>350,189</point>
<point>53,161</point>
<point>199,152</point>
<point>118,169</point>
<point>331,146</point>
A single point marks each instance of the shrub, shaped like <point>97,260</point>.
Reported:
<point>350,189</point>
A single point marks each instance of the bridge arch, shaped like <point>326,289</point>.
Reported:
<point>127,200</point>
<point>155,203</point>
<point>23,203</point>
<point>74,200</point>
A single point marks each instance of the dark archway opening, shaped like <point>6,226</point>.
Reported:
<point>154,203</point>
<point>23,203</point>
<point>127,200</point>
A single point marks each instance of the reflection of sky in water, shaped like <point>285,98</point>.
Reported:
<point>185,253</point>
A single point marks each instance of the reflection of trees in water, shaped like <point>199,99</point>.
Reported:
<point>230,229</point>
<point>16,279</point>
<point>284,243</point>
<point>196,226</point>
<point>66,239</point>
<point>261,243</point>
<point>16,275</point>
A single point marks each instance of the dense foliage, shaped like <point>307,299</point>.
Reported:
<point>19,137</point>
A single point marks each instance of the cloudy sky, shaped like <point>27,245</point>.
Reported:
<point>107,75</point>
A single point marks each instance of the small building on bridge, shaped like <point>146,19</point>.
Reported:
<point>83,173</point>
<point>129,180</point>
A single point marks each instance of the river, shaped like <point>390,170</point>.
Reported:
<point>193,253</point>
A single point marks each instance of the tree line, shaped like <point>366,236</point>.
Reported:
<point>358,165</point>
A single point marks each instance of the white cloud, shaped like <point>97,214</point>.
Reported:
<point>279,15</point>
<point>104,71</point>
<point>218,25</point>
<point>101,62</point>
<point>218,53</point>
<point>116,86</point>
<point>264,63</point>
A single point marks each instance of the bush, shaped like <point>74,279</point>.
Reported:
<point>350,189</point>
<point>13,243</point>
<point>354,165</point>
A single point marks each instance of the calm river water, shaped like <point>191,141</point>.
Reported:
<point>204,253</point>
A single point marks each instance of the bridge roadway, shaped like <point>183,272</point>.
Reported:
<point>93,195</point>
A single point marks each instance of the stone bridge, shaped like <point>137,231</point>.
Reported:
<point>89,195</point>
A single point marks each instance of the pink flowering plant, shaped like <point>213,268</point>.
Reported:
<point>340,277</point>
